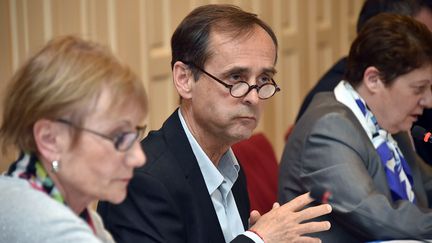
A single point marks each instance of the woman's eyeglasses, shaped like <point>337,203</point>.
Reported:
<point>122,141</point>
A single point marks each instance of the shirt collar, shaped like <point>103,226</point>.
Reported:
<point>227,169</point>
<point>344,94</point>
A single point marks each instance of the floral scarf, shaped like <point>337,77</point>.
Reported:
<point>28,167</point>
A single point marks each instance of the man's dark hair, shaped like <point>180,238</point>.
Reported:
<point>190,40</point>
<point>394,44</point>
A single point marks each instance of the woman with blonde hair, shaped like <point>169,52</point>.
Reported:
<point>75,113</point>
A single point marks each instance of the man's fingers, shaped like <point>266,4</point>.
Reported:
<point>254,217</point>
<point>313,227</point>
<point>313,212</point>
<point>298,202</point>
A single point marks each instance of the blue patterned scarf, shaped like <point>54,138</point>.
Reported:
<point>397,170</point>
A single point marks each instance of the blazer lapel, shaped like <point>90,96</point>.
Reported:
<point>179,145</point>
<point>242,198</point>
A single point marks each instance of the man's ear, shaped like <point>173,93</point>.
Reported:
<point>183,79</point>
<point>46,135</point>
<point>371,79</point>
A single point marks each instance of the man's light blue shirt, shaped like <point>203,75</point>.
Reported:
<point>219,181</point>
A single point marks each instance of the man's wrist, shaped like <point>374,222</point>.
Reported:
<point>254,235</point>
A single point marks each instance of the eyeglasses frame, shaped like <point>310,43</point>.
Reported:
<point>229,86</point>
<point>140,130</point>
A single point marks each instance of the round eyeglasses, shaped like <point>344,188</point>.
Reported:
<point>242,88</point>
<point>122,141</point>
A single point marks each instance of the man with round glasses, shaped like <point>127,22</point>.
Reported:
<point>192,188</point>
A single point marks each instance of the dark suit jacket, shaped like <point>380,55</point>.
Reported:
<point>329,148</point>
<point>167,199</point>
<point>335,74</point>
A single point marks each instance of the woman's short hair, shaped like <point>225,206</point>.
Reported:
<point>65,78</point>
<point>394,44</point>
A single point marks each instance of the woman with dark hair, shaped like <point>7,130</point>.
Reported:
<point>354,142</point>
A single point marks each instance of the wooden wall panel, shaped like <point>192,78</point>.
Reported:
<point>35,25</point>
<point>127,27</point>
<point>312,35</point>
<point>290,27</point>
<point>5,47</point>
<point>67,17</point>
<point>97,16</point>
<point>162,95</point>
<point>19,31</point>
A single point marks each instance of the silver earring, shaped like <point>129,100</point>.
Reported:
<point>55,166</point>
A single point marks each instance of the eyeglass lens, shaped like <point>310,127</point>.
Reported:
<point>242,88</point>
<point>125,141</point>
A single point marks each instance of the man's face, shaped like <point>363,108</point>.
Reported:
<point>218,117</point>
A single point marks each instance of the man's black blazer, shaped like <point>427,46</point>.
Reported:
<point>167,199</point>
